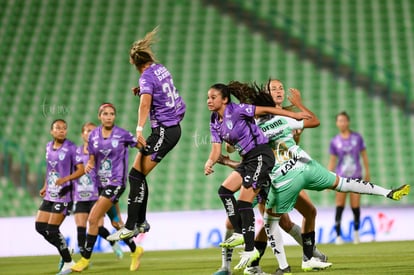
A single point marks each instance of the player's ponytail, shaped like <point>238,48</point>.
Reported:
<point>140,52</point>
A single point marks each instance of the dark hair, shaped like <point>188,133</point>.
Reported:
<point>223,89</point>
<point>57,120</point>
<point>249,93</point>
<point>105,104</point>
<point>87,124</point>
<point>343,113</point>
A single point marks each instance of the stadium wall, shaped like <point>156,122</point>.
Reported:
<point>204,229</point>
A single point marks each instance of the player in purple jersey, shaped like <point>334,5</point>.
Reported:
<point>345,150</point>
<point>304,205</point>
<point>234,124</point>
<point>63,166</point>
<point>160,100</point>
<point>108,156</point>
<point>86,193</point>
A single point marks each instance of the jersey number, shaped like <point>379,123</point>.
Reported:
<point>171,92</point>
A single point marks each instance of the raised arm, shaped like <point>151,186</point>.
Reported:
<point>295,98</point>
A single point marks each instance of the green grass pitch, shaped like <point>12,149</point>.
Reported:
<point>366,259</point>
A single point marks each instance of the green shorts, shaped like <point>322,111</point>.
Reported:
<point>312,176</point>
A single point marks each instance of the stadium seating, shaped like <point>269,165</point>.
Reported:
<point>64,58</point>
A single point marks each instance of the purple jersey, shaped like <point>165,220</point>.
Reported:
<point>347,151</point>
<point>60,163</point>
<point>85,188</point>
<point>167,107</point>
<point>237,128</point>
<point>111,155</point>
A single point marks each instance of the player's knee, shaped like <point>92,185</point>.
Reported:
<point>285,223</point>
<point>224,191</point>
<point>135,177</point>
<point>312,212</point>
<point>41,228</point>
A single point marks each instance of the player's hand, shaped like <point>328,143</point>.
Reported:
<point>42,191</point>
<point>223,159</point>
<point>141,140</point>
<point>89,166</point>
<point>208,167</point>
<point>302,115</point>
<point>294,97</point>
<point>135,90</point>
<point>60,181</point>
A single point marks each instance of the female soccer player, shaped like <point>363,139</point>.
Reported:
<point>235,125</point>
<point>160,100</point>
<point>108,156</point>
<point>346,148</point>
<point>303,205</point>
<point>86,193</point>
<point>295,170</point>
<point>63,166</point>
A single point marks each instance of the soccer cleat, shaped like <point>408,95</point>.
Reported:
<point>285,271</point>
<point>398,193</point>
<point>246,258</point>
<point>222,271</point>
<point>234,240</point>
<point>81,265</point>
<point>254,270</point>
<point>118,251</point>
<point>143,227</point>
<point>66,268</point>
<point>61,262</point>
<point>135,258</point>
<point>339,240</point>
<point>356,237</point>
<point>314,264</point>
<point>317,254</point>
<point>123,233</point>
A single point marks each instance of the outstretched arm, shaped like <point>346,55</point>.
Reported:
<point>262,110</point>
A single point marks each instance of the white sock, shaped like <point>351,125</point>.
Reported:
<point>227,253</point>
<point>274,236</point>
<point>296,233</point>
<point>361,187</point>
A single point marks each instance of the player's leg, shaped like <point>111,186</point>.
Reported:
<point>226,252</point>
<point>340,199</point>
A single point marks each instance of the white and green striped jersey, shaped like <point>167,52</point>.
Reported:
<point>288,154</point>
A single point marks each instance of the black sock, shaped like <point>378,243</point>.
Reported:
<point>247,218</point>
<point>357,216</point>
<point>81,238</point>
<point>338,217</point>
<point>56,238</point>
<point>230,206</point>
<point>103,232</point>
<point>261,246</point>
<point>142,215</point>
<point>308,241</point>
<point>136,197</point>
<point>90,243</point>
<point>131,244</point>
